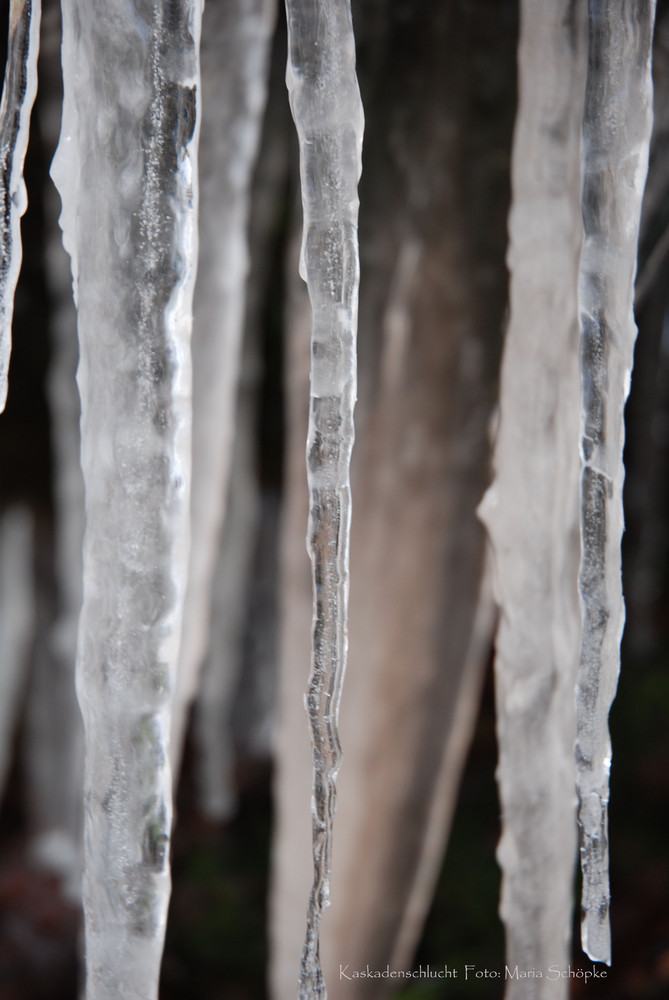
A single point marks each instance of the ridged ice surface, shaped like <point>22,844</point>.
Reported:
<point>124,168</point>
<point>616,134</point>
<point>326,106</point>
<point>531,510</point>
<point>18,94</point>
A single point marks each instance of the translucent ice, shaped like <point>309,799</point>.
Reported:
<point>17,621</point>
<point>18,94</point>
<point>55,745</point>
<point>125,167</point>
<point>326,106</point>
<point>531,510</point>
<point>616,135</point>
<point>222,667</point>
<point>235,50</point>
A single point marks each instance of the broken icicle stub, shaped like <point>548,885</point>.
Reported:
<point>18,95</point>
<point>124,168</point>
<point>325,102</point>
<point>616,136</point>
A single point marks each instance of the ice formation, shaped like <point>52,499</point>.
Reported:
<point>235,51</point>
<point>616,136</point>
<point>17,621</point>
<point>125,170</point>
<point>222,667</point>
<point>55,745</point>
<point>591,100</point>
<point>18,94</point>
<point>221,670</point>
<point>325,102</point>
<point>535,540</point>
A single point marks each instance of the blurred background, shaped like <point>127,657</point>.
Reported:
<point>438,82</point>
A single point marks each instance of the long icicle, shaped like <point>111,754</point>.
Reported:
<point>17,623</point>
<point>18,95</point>
<point>616,135</point>
<point>235,51</point>
<point>531,510</point>
<point>125,168</point>
<point>55,745</point>
<point>325,102</point>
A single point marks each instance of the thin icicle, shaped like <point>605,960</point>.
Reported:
<point>18,95</point>
<point>616,135</point>
<point>325,102</point>
<point>54,748</point>
<point>222,667</point>
<point>17,622</point>
<point>235,57</point>
<point>531,510</point>
<point>125,167</point>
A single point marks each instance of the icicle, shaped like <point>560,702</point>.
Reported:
<point>531,509</point>
<point>54,748</point>
<point>235,49</point>
<point>125,167</point>
<point>17,620</point>
<point>326,106</point>
<point>255,706</point>
<point>616,134</point>
<point>292,874</point>
<point>18,95</point>
<point>432,303</point>
<point>220,675</point>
